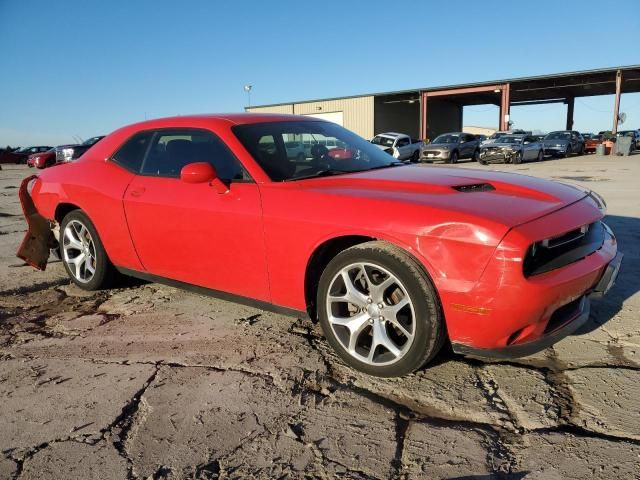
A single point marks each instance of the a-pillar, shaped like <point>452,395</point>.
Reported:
<point>616,105</point>
<point>570,103</point>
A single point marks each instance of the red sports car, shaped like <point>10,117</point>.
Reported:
<point>392,259</point>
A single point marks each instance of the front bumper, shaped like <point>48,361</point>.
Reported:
<point>427,155</point>
<point>554,150</point>
<point>508,312</point>
<point>572,316</point>
<point>497,155</point>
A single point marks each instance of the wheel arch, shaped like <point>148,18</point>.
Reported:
<point>62,209</point>
<point>330,247</point>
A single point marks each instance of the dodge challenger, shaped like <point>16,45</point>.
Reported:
<point>393,260</point>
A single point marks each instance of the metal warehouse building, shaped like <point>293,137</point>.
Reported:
<point>428,112</point>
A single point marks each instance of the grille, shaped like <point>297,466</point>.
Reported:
<point>563,250</point>
<point>430,152</point>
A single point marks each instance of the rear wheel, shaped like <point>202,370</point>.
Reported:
<point>83,254</point>
<point>379,310</point>
<point>416,156</point>
<point>476,156</point>
<point>540,156</point>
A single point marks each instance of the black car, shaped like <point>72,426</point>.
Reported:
<point>563,143</point>
<point>21,155</point>
<point>67,153</point>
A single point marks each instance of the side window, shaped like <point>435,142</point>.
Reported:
<point>172,149</point>
<point>403,142</point>
<point>131,153</point>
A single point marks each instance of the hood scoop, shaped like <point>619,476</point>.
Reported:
<point>474,187</point>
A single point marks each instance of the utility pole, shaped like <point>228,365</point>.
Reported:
<point>247,88</point>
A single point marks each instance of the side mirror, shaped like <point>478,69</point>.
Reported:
<point>202,172</point>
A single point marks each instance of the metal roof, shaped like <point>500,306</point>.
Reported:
<point>512,81</point>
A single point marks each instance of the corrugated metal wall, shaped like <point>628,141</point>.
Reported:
<point>358,112</point>
<point>285,109</point>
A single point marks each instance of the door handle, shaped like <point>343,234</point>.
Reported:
<point>137,191</point>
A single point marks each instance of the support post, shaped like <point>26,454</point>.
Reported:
<point>505,107</point>
<point>616,105</point>
<point>570,104</point>
<point>424,130</point>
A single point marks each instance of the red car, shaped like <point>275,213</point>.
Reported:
<point>43,159</point>
<point>392,259</point>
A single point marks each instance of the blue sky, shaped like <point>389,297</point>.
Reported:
<point>81,68</point>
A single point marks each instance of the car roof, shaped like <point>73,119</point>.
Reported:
<point>233,118</point>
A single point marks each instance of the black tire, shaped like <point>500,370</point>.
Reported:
<point>453,158</point>
<point>476,156</point>
<point>415,158</point>
<point>540,156</point>
<point>582,150</point>
<point>483,162</point>
<point>517,158</point>
<point>430,332</point>
<point>568,152</point>
<point>104,270</point>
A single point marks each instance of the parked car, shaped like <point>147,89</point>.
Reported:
<point>451,147</point>
<point>392,259</point>
<point>635,136</point>
<point>295,150</point>
<point>399,145</point>
<point>22,154</point>
<point>512,149</point>
<point>45,159</point>
<point>591,142</point>
<point>563,143</point>
<point>586,136</point>
<point>66,153</point>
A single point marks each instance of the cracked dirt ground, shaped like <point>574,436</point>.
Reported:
<point>147,381</point>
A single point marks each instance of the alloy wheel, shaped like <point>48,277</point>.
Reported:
<point>371,314</point>
<point>79,251</point>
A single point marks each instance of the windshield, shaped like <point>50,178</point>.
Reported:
<point>328,149</point>
<point>511,139</point>
<point>558,136</point>
<point>447,138</point>
<point>496,135</point>
<point>384,141</point>
<point>91,140</point>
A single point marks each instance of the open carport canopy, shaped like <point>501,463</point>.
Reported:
<point>556,88</point>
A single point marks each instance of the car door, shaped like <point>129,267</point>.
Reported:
<point>403,147</point>
<point>529,148</point>
<point>191,232</point>
<point>465,146</point>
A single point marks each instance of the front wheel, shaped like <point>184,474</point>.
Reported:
<point>517,158</point>
<point>83,254</point>
<point>568,152</point>
<point>379,310</point>
<point>453,158</point>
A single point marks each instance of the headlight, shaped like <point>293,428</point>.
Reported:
<point>67,154</point>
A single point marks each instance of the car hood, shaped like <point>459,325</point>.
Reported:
<point>441,146</point>
<point>504,198</point>
<point>500,144</point>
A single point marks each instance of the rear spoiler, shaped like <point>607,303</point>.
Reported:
<point>39,239</point>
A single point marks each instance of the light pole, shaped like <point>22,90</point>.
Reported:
<point>247,88</point>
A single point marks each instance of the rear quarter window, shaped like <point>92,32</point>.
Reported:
<point>132,152</point>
